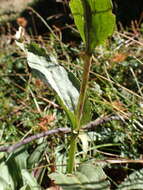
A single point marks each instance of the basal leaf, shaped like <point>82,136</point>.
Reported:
<point>25,187</point>
<point>30,180</point>
<point>133,182</point>
<point>54,75</point>
<point>11,177</point>
<point>36,155</point>
<point>95,175</point>
<point>64,83</point>
<point>6,178</point>
<point>88,176</point>
<point>57,77</point>
<point>67,182</point>
<point>4,185</point>
<point>16,162</point>
<point>20,157</point>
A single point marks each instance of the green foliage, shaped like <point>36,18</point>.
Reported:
<point>15,175</point>
<point>86,177</point>
<point>133,181</point>
<point>23,107</point>
<point>119,138</point>
<point>36,155</point>
<point>29,180</point>
<point>94,20</point>
<point>56,77</point>
<point>35,49</point>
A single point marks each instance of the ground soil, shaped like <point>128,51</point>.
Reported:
<point>13,6</point>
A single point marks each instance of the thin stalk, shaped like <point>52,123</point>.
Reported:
<point>87,62</point>
<point>84,84</point>
<point>71,156</point>
<point>85,77</point>
<point>79,112</point>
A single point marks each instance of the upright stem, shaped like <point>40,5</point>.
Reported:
<point>79,112</point>
<point>87,61</point>
<point>84,83</point>
<point>71,156</point>
<point>83,89</point>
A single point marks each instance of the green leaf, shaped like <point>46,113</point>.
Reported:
<point>84,141</point>
<point>21,156</point>
<point>36,155</point>
<point>25,187</point>
<point>15,163</point>
<point>4,185</point>
<point>57,77</point>
<point>11,168</point>
<point>67,182</point>
<point>60,158</point>
<point>133,181</point>
<point>64,83</point>
<point>95,175</point>
<point>14,176</point>
<point>54,75</point>
<point>78,12</point>
<point>6,178</point>
<point>94,20</point>
<point>87,177</point>
<point>30,180</point>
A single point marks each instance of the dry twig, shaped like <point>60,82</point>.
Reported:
<point>89,126</point>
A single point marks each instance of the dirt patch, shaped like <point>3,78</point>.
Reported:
<point>10,9</point>
<point>13,6</point>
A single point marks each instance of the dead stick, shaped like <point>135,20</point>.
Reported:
<point>12,148</point>
<point>100,121</point>
<point>89,126</point>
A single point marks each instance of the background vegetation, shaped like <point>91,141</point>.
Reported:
<point>28,106</point>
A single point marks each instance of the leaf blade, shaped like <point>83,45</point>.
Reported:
<point>94,20</point>
<point>55,76</point>
<point>88,176</point>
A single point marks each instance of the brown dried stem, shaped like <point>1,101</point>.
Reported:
<point>89,126</point>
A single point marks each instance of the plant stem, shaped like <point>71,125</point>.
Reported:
<point>85,77</point>
<point>71,156</point>
<point>79,112</point>
<point>81,101</point>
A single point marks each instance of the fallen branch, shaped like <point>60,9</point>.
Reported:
<point>12,148</point>
<point>89,126</point>
<point>100,121</point>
